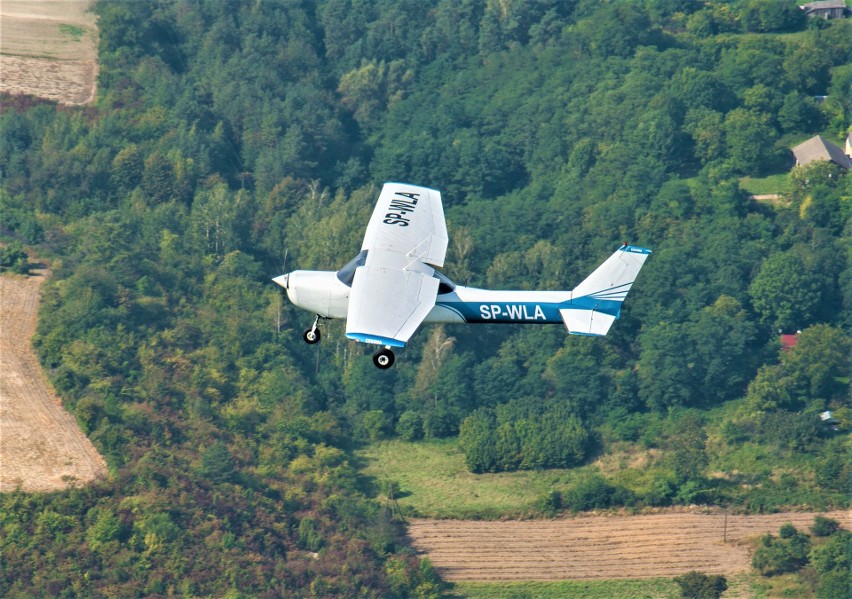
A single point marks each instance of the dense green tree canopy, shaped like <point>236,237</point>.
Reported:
<point>233,140</point>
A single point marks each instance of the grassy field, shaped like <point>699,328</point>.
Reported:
<point>745,585</point>
<point>773,184</point>
<point>655,588</point>
<point>435,483</point>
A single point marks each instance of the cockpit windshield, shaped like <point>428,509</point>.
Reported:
<point>347,273</point>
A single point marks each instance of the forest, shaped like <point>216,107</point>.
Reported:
<point>232,141</point>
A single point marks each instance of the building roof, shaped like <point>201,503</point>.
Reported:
<point>789,341</point>
<point>819,148</point>
<point>824,4</point>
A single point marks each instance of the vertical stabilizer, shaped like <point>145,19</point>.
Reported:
<point>596,302</point>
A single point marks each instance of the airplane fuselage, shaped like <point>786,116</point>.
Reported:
<point>322,293</point>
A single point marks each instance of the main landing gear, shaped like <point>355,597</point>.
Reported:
<point>383,358</point>
<point>312,335</point>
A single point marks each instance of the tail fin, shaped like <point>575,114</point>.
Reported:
<point>596,302</point>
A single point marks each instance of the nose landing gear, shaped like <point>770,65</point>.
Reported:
<point>312,335</point>
<point>384,358</point>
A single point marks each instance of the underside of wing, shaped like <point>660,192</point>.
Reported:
<point>386,305</point>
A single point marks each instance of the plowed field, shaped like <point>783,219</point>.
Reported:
<point>597,547</point>
<point>41,446</point>
<point>48,49</point>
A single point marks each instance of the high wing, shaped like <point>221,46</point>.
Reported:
<point>394,290</point>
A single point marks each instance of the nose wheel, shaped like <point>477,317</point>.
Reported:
<point>312,335</point>
<point>383,358</point>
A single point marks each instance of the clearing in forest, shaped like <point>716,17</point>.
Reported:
<point>41,446</point>
<point>598,547</point>
<point>49,49</point>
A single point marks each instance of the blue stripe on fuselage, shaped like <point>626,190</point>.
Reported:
<point>527,312</point>
<point>506,312</point>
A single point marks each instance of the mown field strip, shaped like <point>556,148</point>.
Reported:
<point>48,49</point>
<point>597,547</point>
<point>41,446</point>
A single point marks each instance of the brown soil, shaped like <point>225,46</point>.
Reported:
<point>48,49</point>
<point>41,446</point>
<point>597,547</point>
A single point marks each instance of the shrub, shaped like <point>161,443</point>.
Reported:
<point>833,555</point>
<point>592,492</point>
<point>824,527</point>
<point>787,531</point>
<point>410,426</point>
<point>697,585</point>
<point>661,493</point>
<point>787,554</point>
<point>833,584</point>
<point>550,504</point>
<point>14,258</point>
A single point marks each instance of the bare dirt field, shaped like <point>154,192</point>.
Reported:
<point>597,547</point>
<point>41,446</point>
<point>48,49</point>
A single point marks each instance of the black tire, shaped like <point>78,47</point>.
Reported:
<point>383,359</point>
<point>311,336</point>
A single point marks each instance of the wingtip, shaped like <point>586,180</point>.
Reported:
<point>635,249</point>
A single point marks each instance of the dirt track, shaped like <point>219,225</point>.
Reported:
<point>48,49</point>
<point>596,547</point>
<point>41,446</point>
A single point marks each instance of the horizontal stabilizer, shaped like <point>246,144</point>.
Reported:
<point>587,322</point>
<point>596,302</point>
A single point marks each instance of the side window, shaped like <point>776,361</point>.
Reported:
<point>445,285</point>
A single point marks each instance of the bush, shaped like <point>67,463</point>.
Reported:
<point>833,584</point>
<point>523,436</point>
<point>697,585</point>
<point>550,504</point>
<point>787,554</point>
<point>661,493</point>
<point>592,492</point>
<point>14,258</point>
<point>410,426</point>
<point>832,472</point>
<point>787,531</point>
<point>833,555</point>
<point>824,527</point>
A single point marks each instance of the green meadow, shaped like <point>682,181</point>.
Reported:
<point>654,588</point>
<point>434,482</point>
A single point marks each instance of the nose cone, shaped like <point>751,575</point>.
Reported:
<point>289,282</point>
<point>283,280</point>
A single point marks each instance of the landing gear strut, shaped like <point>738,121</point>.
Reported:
<point>383,358</point>
<point>312,335</point>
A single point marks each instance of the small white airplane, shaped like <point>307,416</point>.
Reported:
<point>391,287</point>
